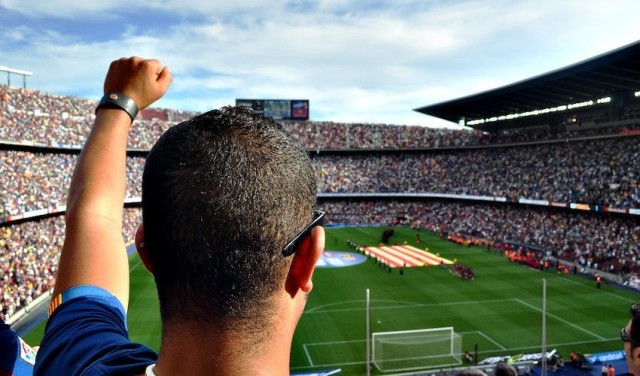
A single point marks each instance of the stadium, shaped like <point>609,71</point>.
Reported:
<point>440,242</point>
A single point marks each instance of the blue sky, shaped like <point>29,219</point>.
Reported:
<point>355,60</point>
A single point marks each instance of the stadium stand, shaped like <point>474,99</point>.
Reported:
<point>39,180</point>
<point>29,116</point>
<point>599,171</point>
<point>596,172</point>
<point>29,254</point>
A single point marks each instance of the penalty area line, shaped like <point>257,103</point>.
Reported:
<point>306,351</point>
<point>488,339</point>
<point>561,320</point>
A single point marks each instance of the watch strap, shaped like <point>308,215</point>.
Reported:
<point>116,99</point>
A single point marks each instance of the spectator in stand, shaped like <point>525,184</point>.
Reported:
<point>229,303</point>
<point>504,369</point>
<point>470,372</point>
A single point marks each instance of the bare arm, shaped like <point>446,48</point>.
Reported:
<point>94,251</point>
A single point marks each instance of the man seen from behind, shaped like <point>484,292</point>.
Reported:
<point>230,233</point>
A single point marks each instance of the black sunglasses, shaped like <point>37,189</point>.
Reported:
<point>625,337</point>
<point>290,248</point>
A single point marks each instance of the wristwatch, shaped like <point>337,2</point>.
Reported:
<point>116,99</point>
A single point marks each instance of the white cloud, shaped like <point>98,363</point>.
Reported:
<point>355,60</point>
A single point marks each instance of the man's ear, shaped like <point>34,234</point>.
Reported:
<point>141,248</point>
<point>304,262</point>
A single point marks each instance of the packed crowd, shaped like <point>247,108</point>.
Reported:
<point>29,254</point>
<point>46,119</point>
<point>63,121</point>
<point>35,181</point>
<point>602,172</point>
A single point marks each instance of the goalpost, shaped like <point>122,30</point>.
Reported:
<point>416,349</point>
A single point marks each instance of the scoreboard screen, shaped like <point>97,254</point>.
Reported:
<point>279,109</point>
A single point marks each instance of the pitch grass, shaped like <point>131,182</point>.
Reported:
<point>500,310</point>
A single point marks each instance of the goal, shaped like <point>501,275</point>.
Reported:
<point>416,349</point>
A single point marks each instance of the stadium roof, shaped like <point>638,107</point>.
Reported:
<point>615,74</point>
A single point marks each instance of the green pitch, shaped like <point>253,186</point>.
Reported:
<point>500,310</point>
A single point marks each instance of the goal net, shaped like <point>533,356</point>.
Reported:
<point>416,349</point>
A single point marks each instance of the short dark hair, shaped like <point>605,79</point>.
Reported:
<point>222,193</point>
<point>470,372</point>
<point>504,369</point>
